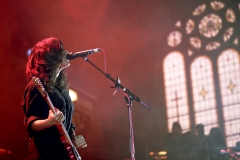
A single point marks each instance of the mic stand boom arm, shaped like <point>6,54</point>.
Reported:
<point>119,85</point>
<point>129,96</point>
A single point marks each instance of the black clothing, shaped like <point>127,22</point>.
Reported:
<point>46,143</point>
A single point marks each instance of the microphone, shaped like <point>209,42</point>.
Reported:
<point>227,152</point>
<point>3,151</point>
<point>72,55</point>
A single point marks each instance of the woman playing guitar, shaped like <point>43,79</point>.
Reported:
<point>49,128</point>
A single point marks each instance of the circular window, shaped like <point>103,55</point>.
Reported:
<point>210,25</point>
<point>174,38</point>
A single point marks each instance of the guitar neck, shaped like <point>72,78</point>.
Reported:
<point>63,129</point>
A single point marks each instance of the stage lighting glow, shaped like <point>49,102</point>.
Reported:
<point>29,52</point>
<point>73,95</point>
<point>162,153</point>
<point>151,153</point>
<point>163,157</point>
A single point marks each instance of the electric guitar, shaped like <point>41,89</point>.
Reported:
<point>64,137</point>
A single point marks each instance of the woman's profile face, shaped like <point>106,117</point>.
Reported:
<point>65,62</point>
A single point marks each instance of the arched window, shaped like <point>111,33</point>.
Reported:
<point>175,89</point>
<point>206,44</point>
<point>204,99</point>
<point>229,75</point>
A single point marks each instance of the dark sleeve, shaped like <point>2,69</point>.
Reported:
<point>73,126</point>
<point>70,109</point>
<point>34,106</point>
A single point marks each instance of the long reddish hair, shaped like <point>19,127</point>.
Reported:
<point>43,62</point>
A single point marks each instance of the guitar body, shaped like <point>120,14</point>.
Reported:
<point>66,145</point>
<point>64,137</point>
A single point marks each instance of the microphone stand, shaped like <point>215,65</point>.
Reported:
<point>231,153</point>
<point>234,156</point>
<point>131,141</point>
<point>129,97</point>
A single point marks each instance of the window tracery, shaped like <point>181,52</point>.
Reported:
<point>190,52</point>
<point>195,42</point>
<point>216,5</point>
<point>203,93</point>
<point>199,10</point>
<point>230,16</point>
<point>178,24</point>
<point>210,25</point>
<point>175,89</point>
<point>174,38</point>
<point>229,76</point>
<point>212,46</point>
<point>235,41</point>
<point>203,34</point>
<point>190,26</point>
<point>227,34</point>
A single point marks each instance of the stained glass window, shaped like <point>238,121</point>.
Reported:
<point>212,45</point>
<point>228,33</point>
<point>230,16</point>
<point>190,26</point>
<point>174,38</point>
<point>178,24</point>
<point>235,41</point>
<point>199,10</point>
<point>210,25</point>
<point>203,93</point>
<point>217,5</point>
<point>190,52</point>
<point>175,91</point>
<point>229,75</point>
<point>195,42</point>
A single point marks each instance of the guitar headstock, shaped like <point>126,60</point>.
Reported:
<point>39,85</point>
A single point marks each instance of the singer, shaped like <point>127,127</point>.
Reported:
<point>47,61</point>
